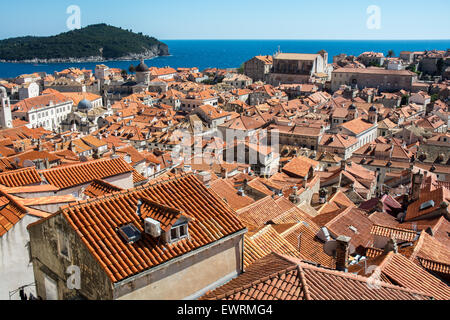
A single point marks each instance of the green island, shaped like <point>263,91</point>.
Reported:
<point>100,42</point>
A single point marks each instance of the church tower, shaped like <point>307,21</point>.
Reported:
<point>352,112</point>
<point>373,115</point>
<point>143,73</point>
<point>5,112</point>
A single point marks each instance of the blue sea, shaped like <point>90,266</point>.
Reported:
<point>232,53</point>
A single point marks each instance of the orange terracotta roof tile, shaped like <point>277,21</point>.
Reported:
<point>264,242</point>
<point>73,175</point>
<point>357,126</point>
<point>21,177</point>
<point>99,188</point>
<point>38,102</point>
<point>211,221</point>
<point>303,236</point>
<point>431,251</point>
<point>10,213</point>
<point>394,233</point>
<point>276,277</point>
<point>260,212</point>
<point>438,196</point>
<point>47,200</point>
<point>353,223</point>
<point>93,141</point>
<point>434,266</point>
<point>32,189</point>
<point>300,166</point>
<point>229,194</point>
<point>138,178</point>
<point>403,272</point>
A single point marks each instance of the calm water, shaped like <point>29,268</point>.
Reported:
<point>232,53</point>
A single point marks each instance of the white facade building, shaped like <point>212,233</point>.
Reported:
<point>5,112</point>
<point>28,90</point>
<point>47,111</point>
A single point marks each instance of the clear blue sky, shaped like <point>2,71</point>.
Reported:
<point>236,19</point>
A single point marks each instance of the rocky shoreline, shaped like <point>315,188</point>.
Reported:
<point>147,55</point>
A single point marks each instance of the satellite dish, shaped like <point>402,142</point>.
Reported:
<point>28,164</point>
<point>330,248</point>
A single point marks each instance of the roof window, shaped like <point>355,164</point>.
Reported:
<point>179,232</point>
<point>354,229</point>
<point>427,205</point>
<point>130,233</point>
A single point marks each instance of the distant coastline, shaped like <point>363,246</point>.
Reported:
<point>94,43</point>
<point>97,59</point>
<point>204,54</point>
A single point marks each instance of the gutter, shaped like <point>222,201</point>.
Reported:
<point>242,255</point>
<point>178,259</point>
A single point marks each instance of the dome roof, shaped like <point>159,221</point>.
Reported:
<point>84,105</point>
<point>373,109</point>
<point>352,107</point>
<point>142,67</point>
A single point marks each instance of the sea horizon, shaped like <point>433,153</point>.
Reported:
<point>231,53</point>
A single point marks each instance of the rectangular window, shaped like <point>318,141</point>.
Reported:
<point>179,232</point>
<point>63,245</point>
<point>173,234</point>
<point>51,288</point>
<point>183,231</point>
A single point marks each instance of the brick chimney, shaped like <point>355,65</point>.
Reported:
<point>323,195</point>
<point>293,197</point>
<point>391,246</point>
<point>343,164</point>
<point>342,253</point>
<point>416,184</point>
<point>205,177</point>
<point>444,210</point>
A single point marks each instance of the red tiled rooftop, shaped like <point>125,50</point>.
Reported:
<point>403,272</point>
<point>10,213</point>
<point>100,188</point>
<point>95,222</point>
<point>264,242</point>
<point>260,212</point>
<point>438,196</point>
<point>21,177</point>
<point>395,233</point>
<point>73,175</point>
<point>276,277</point>
<point>229,194</point>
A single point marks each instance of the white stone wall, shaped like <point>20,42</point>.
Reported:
<point>49,117</point>
<point>15,267</point>
<point>189,278</point>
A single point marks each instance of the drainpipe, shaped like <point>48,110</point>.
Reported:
<point>242,255</point>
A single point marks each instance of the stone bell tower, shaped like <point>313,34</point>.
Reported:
<point>5,112</point>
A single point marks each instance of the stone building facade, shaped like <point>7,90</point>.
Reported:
<point>384,80</point>
<point>258,67</point>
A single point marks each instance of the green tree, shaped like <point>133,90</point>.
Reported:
<point>405,99</point>
<point>440,66</point>
<point>374,64</point>
<point>132,69</point>
<point>241,69</point>
<point>124,73</point>
<point>391,53</point>
<point>209,81</point>
<point>108,41</point>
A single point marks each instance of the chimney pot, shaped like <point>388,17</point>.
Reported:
<point>138,211</point>
<point>391,246</point>
<point>342,253</point>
